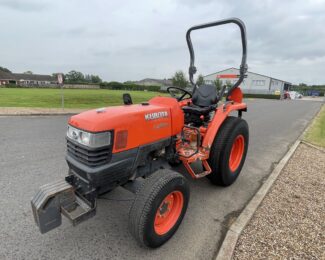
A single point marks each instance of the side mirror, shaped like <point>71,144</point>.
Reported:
<point>127,99</point>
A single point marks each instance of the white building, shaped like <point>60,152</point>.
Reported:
<point>254,83</point>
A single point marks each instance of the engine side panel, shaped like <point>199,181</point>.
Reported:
<point>176,112</point>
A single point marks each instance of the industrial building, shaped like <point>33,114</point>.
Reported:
<point>254,83</point>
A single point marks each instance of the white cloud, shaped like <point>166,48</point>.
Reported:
<point>129,40</point>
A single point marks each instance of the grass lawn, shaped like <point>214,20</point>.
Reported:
<point>73,98</point>
<point>316,133</point>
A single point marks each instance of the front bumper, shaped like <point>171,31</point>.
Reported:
<point>108,176</point>
<point>60,198</point>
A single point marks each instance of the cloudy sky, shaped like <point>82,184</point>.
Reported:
<point>130,40</point>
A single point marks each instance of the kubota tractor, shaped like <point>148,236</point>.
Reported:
<point>135,146</point>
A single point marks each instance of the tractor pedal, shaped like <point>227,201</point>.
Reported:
<point>205,165</point>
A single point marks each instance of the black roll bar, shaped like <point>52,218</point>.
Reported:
<point>243,66</point>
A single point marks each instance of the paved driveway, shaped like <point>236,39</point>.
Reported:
<point>32,154</point>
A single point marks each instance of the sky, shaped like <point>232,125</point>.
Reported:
<point>131,40</point>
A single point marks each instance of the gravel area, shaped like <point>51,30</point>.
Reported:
<point>290,223</point>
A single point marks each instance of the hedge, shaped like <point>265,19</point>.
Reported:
<point>105,85</point>
<point>31,86</point>
<point>266,96</point>
<point>127,86</point>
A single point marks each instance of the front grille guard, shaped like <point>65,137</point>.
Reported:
<point>89,157</point>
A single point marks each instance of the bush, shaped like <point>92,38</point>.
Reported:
<point>31,86</point>
<point>127,86</point>
<point>266,96</point>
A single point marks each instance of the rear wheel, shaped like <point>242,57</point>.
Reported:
<point>159,208</point>
<point>228,152</point>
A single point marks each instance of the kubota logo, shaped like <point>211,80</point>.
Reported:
<point>156,115</point>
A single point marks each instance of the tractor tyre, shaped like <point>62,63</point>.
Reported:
<point>159,207</point>
<point>228,152</point>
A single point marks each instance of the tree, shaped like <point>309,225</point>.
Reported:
<point>74,77</point>
<point>28,72</point>
<point>88,78</point>
<point>200,80</point>
<point>228,84</point>
<point>302,85</point>
<point>5,69</point>
<point>95,79</point>
<point>218,84</point>
<point>179,79</point>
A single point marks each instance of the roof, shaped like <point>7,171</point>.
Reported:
<point>22,76</point>
<point>249,72</point>
<point>37,77</point>
<point>5,75</point>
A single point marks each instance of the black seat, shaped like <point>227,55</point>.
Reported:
<point>203,100</point>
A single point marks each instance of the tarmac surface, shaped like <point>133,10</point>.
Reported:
<point>32,154</point>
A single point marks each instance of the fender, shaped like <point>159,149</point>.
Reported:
<point>221,114</point>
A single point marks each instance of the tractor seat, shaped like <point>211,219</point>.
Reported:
<point>203,100</point>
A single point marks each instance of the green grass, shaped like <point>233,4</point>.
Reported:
<point>316,133</point>
<point>73,98</point>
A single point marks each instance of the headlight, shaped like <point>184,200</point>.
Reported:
<point>93,140</point>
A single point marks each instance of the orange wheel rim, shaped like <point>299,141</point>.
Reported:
<point>168,212</point>
<point>236,154</point>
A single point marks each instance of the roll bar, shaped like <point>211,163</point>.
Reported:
<point>243,66</point>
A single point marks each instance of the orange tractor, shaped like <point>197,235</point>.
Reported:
<point>135,146</point>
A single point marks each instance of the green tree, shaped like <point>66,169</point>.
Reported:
<point>88,78</point>
<point>200,80</point>
<point>179,79</point>
<point>5,69</point>
<point>74,77</point>
<point>228,84</point>
<point>303,85</point>
<point>95,79</point>
<point>218,84</point>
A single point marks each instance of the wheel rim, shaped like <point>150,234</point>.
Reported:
<point>168,212</point>
<point>236,154</point>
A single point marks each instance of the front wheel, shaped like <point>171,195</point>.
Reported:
<point>228,152</point>
<point>158,208</point>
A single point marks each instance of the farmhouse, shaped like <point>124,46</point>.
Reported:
<point>254,83</point>
<point>23,79</point>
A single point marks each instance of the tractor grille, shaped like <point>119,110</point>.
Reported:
<point>92,158</point>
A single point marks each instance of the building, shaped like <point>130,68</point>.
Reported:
<point>254,83</point>
<point>6,78</point>
<point>26,79</point>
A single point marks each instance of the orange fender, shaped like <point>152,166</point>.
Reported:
<point>221,114</point>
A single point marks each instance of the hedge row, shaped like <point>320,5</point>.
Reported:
<point>104,85</point>
<point>266,96</point>
<point>31,86</point>
<point>127,86</point>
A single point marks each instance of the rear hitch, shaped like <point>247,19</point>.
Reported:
<point>58,198</point>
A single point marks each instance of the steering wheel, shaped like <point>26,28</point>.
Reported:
<point>185,92</point>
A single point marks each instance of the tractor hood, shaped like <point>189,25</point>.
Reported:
<point>160,118</point>
<point>108,118</point>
